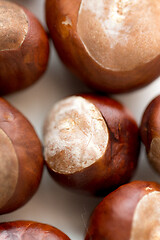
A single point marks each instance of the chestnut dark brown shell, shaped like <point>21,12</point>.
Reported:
<point>24,48</point>
<point>74,134</point>
<point>150,132</point>
<point>113,46</point>
<point>29,230</point>
<point>131,212</point>
<point>21,159</point>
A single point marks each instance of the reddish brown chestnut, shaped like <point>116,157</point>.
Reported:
<point>29,230</point>
<point>91,143</point>
<point>129,213</point>
<point>150,132</point>
<point>112,45</point>
<point>24,48</point>
<point>21,160</point>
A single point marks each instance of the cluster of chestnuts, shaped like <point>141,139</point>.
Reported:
<point>91,142</point>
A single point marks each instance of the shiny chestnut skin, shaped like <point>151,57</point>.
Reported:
<point>21,159</point>
<point>113,46</point>
<point>29,230</point>
<point>91,143</point>
<point>150,132</point>
<point>24,48</point>
<point>131,212</point>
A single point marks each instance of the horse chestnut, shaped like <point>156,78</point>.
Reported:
<point>91,143</point>
<point>21,159</point>
<point>112,45</point>
<point>129,213</point>
<point>24,48</point>
<point>29,230</point>
<point>150,132</point>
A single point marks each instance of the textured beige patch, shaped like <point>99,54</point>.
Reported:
<point>121,34</point>
<point>13,26</point>
<point>146,219</point>
<point>8,168</point>
<point>75,135</point>
<point>67,21</point>
<point>154,153</point>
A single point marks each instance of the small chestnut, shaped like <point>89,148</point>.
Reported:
<point>150,132</point>
<point>21,159</point>
<point>24,48</point>
<point>29,230</point>
<point>112,45</point>
<point>131,212</point>
<point>91,143</point>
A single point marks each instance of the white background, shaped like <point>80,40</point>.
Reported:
<point>53,204</point>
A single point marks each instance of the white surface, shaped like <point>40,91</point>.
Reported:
<point>53,204</point>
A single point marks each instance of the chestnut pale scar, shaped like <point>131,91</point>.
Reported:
<point>8,170</point>
<point>154,153</point>
<point>115,34</point>
<point>75,135</point>
<point>13,26</point>
<point>146,220</point>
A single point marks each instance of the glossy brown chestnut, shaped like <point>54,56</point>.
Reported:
<point>29,230</point>
<point>150,132</point>
<point>131,212</point>
<point>112,45</point>
<point>91,143</point>
<point>24,48</point>
<point>21,159</point>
